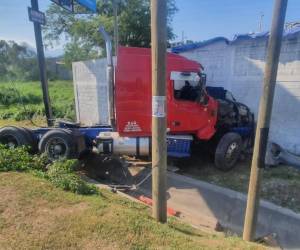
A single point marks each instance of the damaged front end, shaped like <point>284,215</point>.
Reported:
<point>231,113</point>
<point>233,116</point>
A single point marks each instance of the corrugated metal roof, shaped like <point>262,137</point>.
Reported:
<point>191,46</point>
<point>187,47</point>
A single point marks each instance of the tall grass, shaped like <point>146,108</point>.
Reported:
<point>30,93</point>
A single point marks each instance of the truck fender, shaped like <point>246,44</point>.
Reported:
<point>206,133</point>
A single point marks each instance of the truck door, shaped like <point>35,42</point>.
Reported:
<point>186,112</point>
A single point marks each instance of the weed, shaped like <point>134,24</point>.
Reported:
<point>61,173</point>
<point>19,159</point>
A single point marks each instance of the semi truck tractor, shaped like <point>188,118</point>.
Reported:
<point>196,115</point>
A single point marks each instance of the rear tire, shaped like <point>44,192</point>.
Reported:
<point>58,144</point>
<point>15,137</point>
<point>32,140</point>
<point>228,151</point>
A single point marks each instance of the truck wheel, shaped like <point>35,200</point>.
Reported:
<point>33,143</point>
<point>58,144</point>
<point>228,151</point>
<point>15,137</point>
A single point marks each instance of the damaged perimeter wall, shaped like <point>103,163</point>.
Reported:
<point>238,66</point>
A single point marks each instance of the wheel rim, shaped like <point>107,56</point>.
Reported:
<point>56,148</point>
<point>231,153</point>
<point>10,141</point>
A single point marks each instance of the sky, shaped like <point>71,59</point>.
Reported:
<point>14,23</point>
<point>195,20</point>
<point>205,19</point>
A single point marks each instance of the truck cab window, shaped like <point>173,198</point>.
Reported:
<point>189,86</point>
<point>186,90</point>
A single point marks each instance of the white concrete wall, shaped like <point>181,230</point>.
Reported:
<point>214,58</point>
<point>239,67</point>
<point>91,92</point>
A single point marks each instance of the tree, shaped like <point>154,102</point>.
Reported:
<point>17,62</point>
<point>81,31</point>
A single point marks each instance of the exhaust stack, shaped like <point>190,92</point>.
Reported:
<point>110,75</point>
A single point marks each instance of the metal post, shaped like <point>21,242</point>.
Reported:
<point>110,76</point>
<point>263,120</point>
<point>42,65</point>
<point>159,146</point>
<point>116,32</point>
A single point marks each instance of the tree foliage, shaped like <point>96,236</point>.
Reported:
<point>81,31</point>
<point>17,62</point>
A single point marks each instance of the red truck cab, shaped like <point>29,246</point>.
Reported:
<point>133,96</point>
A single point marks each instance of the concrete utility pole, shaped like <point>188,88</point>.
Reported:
<point>159,124</point>
<point>42,65</point>
<point>263,120</point>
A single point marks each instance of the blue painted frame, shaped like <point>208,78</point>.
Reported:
<point>176,147</point>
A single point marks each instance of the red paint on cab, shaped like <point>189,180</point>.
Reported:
<point>133,97</point>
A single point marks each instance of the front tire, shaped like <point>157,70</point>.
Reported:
<point>228,151</point>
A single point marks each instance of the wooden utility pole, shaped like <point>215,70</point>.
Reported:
<point>42,65</point>
<point>263,120</point>
<point>159,125</point>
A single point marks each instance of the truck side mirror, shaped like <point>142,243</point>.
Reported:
<point>203,79</point>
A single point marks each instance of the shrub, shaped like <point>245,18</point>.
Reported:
<point>8,96</point>
<point>19,159</point>
<point>61,174</point>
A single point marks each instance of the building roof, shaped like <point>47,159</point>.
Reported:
<point>288,33</point>
<point>191,46</point>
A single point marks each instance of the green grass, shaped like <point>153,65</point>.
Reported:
<point>36,215</point>
<point>61,95</point>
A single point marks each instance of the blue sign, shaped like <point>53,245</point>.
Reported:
<point>89,4</point>
<point>66,4</point>
<point>36,16</point>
